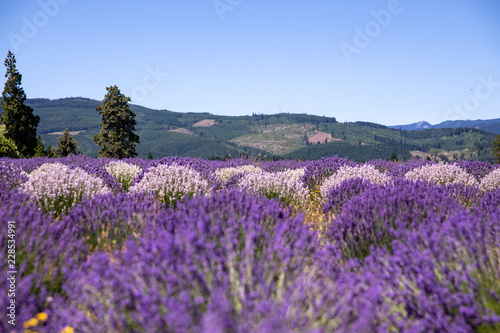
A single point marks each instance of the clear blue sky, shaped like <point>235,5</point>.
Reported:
<point>390,62</point>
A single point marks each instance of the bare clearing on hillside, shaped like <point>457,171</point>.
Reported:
<point>320,137</point>
<point>280,139</point>
<point>182,130</point>
<point>70,133</point>
<point>205,123</point>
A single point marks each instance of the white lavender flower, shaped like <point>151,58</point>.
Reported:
<point>58,188</point>
<point>442,174</point>
<point>123,172</point>
<point>279,185</point>
<point>45,167</point>
<point>223,174</point>
<point>491,181</point>
<point>366,171</point>
<point>172,183</point>
<point>295,174</point>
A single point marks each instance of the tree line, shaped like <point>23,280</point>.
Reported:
<point>18,124</point>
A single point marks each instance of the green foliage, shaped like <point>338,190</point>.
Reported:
<point>496,148</point>
<point>43,151</point>
<point>394,157</point>
<point>117,137</point>
<point>66,145</point>
<point>7,146</point>
<point>20,122</point>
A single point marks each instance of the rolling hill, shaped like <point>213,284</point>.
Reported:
<point>167,133</point>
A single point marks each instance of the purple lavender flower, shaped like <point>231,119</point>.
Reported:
<point>377,215</point>
<point>212,263</point>
<point>44,251</point>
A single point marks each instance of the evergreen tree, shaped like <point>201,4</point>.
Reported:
<point>117,137</point>
<point>41,150</point>
<point>496,148</point>
<point>20,122</point>
<point>66,145</point>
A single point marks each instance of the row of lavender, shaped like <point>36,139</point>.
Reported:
<point>182,244</point>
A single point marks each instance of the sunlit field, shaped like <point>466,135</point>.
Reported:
<point>245,245</point>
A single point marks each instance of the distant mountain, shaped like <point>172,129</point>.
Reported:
<point>168,133</point>
<point>414,126</point>
<point>490,125</point>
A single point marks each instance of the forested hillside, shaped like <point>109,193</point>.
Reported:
<point>167,133</point>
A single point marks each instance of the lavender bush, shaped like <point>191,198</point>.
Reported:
<point>283,185</point>
<point>44,251</point>
<point>123,172</point>
<point>442,174</point>
<point>57,188</point>
<point>375,217</point>
<point>366,171</point>
<point>219,261</point>
<point>106,221</point>
<point>341,194</point>
<point>224,174</point>
<point>491,181</point>
<point>171,183</point>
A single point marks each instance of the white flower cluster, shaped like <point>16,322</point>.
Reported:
<point>123,172</point>
<point>58,187</point>
<point>223,174</point>
<point>44,168</point>
<point>491,181</point>
<point>442,174</point>
<point>282,185</point>
<point>172,183</point>
<point>295,174</point>
<point>365,171</point>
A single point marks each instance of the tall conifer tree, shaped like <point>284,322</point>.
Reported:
<point>496,148</point>
<point>66,145</point>
<point>117,137</point>
<point>20,122</point>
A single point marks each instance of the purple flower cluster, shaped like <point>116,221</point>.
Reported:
<point>106,221</point>
<point>219,262</point>
<point>317,171</point>
<point>44,252</point>
<point>396,255</point>
<point>478,169</point>
<point>339,195</point>
<point>375,217</point>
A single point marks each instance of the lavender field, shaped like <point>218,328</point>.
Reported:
<point>191,245</point>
